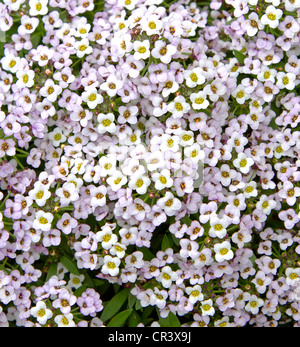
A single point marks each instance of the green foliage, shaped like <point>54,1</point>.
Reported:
<point>120,319</point>
<point>113,306</point>
<point>69,265</point>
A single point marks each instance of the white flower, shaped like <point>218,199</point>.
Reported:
<point>155,160</point>
<point>167,276</point>
<point>82,29</point>
<point>108,165</point>
<point>225,175</point>
<point>128,114</point>
<point>199,100</point>
<point>151,25</point>
<point>271,16</point>
<point>286,80</point>
<point>169,204</point>
<point>158,298</point>
<point>116,180</point>
<point>170,86</point>
<point>267,74</point>
<point>194,77</point>
<point>178,107</point>
<point>223,251</point>
<point>135,260</point>
<point>194,293</point>
<point>41,312</point>
<point>194,153</point>
<point>128,4</point>
<point>118,249</point>
<point>111,265</point>
<point>186,137</point>
<point>38,7</point>
<point>162,179</point>
<point>132,167</point>
<point>265,204</point>
<point>83,47</point>
<point>139,183</point>
<point>106,237</point>
<point>292,276</point>
<point>10,62</point>
<point>25,78</point>
<point>261,281</point>
<point>217,226</point>
<point>241,237</point>
<point>254,304</point>
<point>207,308</point>
<point>50,90</point>
<point>98,196</point>
<point>240,94</point>
<point>250,189</point>
<point>141,49</point>
<point>291,5</point>
<point>252,24</point>
<point>28,25</point>
<point>64,320</point>
<point>112,85</point>
<point>163,51</point>
<point>40,194</point>
<point>215,89</point>
<point>132,139</point>
<point>91,97</point>
<point>67,193</point>
<point>106,123</point>
<point>75,281</point>
<point>169,143</point>
<point>243,163</point>
<point>43,220</point>
<point>57,137</point>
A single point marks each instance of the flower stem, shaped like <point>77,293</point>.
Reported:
<point>18,161</point>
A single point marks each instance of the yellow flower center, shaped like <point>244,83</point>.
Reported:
<point>194,77</point>
<point>43,220</point>
<point>142,49</point>
<point>106,122</point>
<point>243,163</point>
<point>223,251</point>
<point>178,106</point>
<point>163,179</point>
<point>271,16</point>
<point>139,183</point>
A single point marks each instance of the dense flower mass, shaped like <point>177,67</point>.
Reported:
<point>149,157</point>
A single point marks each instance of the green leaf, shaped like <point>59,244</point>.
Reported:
<point>148,255</point>
<point>138,305</point>
<point>113,306</point>
<point>52,271</point>
<point>165,243</point>
<point>147,312</point>
<point>80,290</point>
<point>134,319</point>
<point>2,49</point>
<point>69,265</point>
<point>131,300</point>
<point>120,319</point>
<point>35,39</point>
<point>175,240</point>
<point>239,56</point>
<point>173,320</point>
<point>186,220</point>
<point>170,321</point>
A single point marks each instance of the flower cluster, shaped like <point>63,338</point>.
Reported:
<point>151,147</point>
